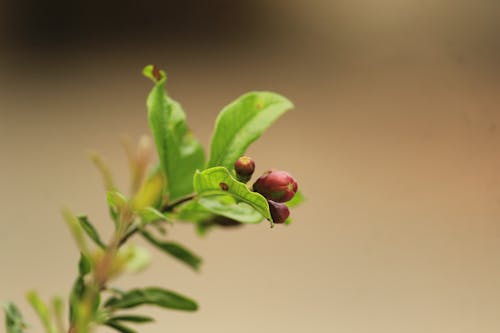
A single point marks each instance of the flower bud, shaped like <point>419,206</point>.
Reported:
<point>278,186</point>
<point>279,211</point>
<point>244,167</point>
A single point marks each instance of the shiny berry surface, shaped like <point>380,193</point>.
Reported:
<point>278,186</point>
<point>279,211</point>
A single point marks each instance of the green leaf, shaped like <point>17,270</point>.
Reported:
<point>79,287</point>
<point>176,250</point>
<point>151,191</point>
<point>133,319</point>
<point>218,181</point>
<point>57,304</point>
<point>203,227</point>
<point>91,231</point>
<point>134,258</point>
<point>152,296</point>
<point>119,327</point>
<point>297,199</point>
<point>116,199</point>
<point>241,123</point>
<point>114,215</point>
<point>107,178</point>
<point>193,212</point>
<point>41,310</point>
<point>179,152</point>
<point>204,219</point>
<point>14,322</point>
<point>227,206</point>
<point>76,230</point>
<point>84,265</point>
<point>150,214</point>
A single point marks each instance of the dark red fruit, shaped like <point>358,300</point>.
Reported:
<point>278,186</point>
<point>279,211</point>
<point>244,167</point>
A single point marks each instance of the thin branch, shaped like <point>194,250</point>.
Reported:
<point>101,273</point>
<point>170,207</point>
<point>126,237</point>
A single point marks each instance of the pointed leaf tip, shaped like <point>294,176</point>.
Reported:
<point>154,73</point>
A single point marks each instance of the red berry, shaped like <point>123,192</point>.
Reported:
<point>244,167</point>
<point>279,211</point>
<point>278,186</point>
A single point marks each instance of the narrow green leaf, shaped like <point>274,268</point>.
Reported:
<point>116,199</point>
<point>41,310</point>
<point>84,265</point>
<point>107,178</point>
<point>139,158</point>
<point>76,230</point>
<point>152,296</point>
<point>133,319</point>
<point>150,214</point>
<point>176,250</point>
<point>241,123</point>
<point>117,291</point>
<point>14,322</point>
<point>97,302</point>
<point>113,213</point>
<point>179,152</point>
<point>91,231</point>
<point>218,181</point>
<point>79,287</point>
<point>119,327</point>
<point>57,304</point>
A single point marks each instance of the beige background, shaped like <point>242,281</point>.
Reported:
<point>394,141</point>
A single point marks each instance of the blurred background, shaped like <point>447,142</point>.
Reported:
<point>394,140</point>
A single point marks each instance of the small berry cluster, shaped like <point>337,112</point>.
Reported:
<point>276,186</point>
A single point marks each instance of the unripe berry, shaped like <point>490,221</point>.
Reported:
<point>244,168</point>
<point>278,186</point>
<point>279,211</point>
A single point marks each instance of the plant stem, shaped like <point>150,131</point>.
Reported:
<point>126,237</point>
<point>102,271</point>
<point>166,208</point>
<point>171,206</point>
